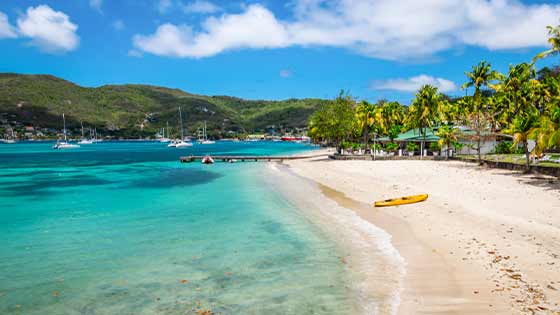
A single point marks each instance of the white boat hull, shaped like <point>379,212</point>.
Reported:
<point>64,145</point>
<point>183,145</point>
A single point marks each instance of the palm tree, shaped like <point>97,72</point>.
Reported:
<point>365,115</point>
<point>447,136</point>
<point>517,82</point>
<point>391,117</point>
<point>480,76</point>
<point>424,110</point>
<point>522,127</point>
<point>553,40</point>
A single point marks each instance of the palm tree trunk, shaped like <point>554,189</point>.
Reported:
<point>423,143</point>
<point>366,138</point>
<point>527,156</point>
<point>478,149</point>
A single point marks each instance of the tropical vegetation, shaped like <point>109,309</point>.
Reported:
<point>523,103</point>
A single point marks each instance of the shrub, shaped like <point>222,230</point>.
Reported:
<point>458,146</point>
<point>411,146</point>
<point>507,147</point>
<point>376,146</point>
<point>435,147</point>
<point>391,146</point>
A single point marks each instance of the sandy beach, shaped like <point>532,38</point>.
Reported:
<point>485,242</point>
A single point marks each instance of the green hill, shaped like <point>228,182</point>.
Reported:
<point>140,110</point>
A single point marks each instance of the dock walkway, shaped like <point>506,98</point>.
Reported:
<point>248,158</point>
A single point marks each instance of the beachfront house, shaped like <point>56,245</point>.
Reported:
<point>488,143</point>
<point>467,137</point>
<point>412,135</point>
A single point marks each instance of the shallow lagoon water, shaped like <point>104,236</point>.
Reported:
<point>124,228</point>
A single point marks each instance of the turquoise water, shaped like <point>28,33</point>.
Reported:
<point>124,228</point>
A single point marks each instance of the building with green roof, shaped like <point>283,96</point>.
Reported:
<point>465,136</point>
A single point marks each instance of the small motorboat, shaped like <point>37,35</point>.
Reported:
<point>232,161</point>
<point>85,141</point>
<point>65,145</point>
<point>183,144</point>
<point>207,160</point>
<point>401,201</point>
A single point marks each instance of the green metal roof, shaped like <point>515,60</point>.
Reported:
<point>414,135</point>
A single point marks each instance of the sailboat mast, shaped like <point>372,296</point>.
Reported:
<point>82,123</point>
<point>64,126</point>
<point>181,119</point>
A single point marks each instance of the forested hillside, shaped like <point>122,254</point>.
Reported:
<point>141,110</point>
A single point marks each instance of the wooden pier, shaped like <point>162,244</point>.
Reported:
<point>248,158</point>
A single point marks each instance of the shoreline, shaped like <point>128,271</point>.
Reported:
<point>374,268</point>
<point>462,254</point>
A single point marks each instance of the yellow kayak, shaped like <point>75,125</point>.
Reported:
<point>401,201</point>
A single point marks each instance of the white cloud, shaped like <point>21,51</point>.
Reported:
<point>118,25</point>
<point>6,30</point>
<point>384,29</point>
<point>285,73</point>
<point>134,53</point>
<point>51,31</point>
<point>164,5</point>
<point>413,84</point>
<point>255,28</point>
<point>200,6</point>
<point>96,4</point>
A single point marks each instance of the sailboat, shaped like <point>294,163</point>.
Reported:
<point>11,140</point>
<point>84,140</point>
<point>181,142</point>
<point>94,138</point>
<point>204,139</point>
<point>164,139</point>
<point>64,144</point>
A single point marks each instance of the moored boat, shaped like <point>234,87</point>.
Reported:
<point>180,143</point>
<point>207,160</point>
<point>64,144</point>
<point>204,139</point>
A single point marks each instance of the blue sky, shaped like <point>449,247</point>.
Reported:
<point>272,49</point>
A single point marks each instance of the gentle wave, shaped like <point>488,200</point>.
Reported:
<point>377,268</point>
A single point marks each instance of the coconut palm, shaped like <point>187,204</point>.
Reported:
<point>553,40</point>
<point>447,136</point>
<point>364,119</point>
<point>516,87</point>
<point>481,76</point>
<point>423,113</point>
<point>392,114</point>
<point>522,127</point>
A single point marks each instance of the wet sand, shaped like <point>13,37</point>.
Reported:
<point>485,242</point>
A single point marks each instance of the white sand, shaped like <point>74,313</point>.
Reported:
<point>485,242</point>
